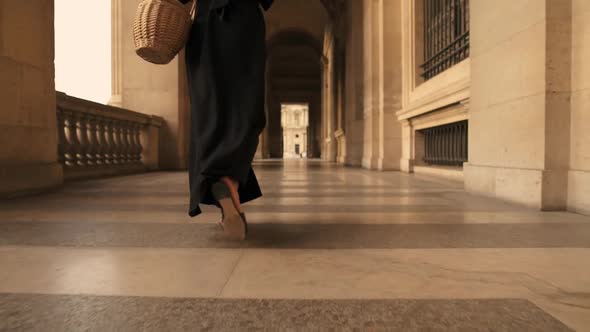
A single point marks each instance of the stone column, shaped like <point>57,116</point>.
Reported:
<point>328,97</point>
<point>407,159</point>
<point>275,131</point>
<point>315,126</point>
<point>519,127</point>
<point>339,91</point>
<point>259,154</point>
<point>340,134</point>
<point>28,120</point>
<point>382,79</point>
<point>378,82</point>
<point>369,48</point>
<point>325,99</point>
<point>381,43</point>
<point>262,149</point>
<point>390,75</point>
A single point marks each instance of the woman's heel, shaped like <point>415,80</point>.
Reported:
<point>234,226</point>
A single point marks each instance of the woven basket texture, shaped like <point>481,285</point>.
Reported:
<point>160,30</point>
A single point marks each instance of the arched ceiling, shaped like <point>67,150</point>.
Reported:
<point>333,7</point>
<point>309,16</point>
<point>294,37</point>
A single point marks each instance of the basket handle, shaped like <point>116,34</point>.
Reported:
<point>193,10</point>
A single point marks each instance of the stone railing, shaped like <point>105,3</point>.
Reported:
<point>98,140</point>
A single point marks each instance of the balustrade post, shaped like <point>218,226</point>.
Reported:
<point>111,144</point>
<point>87,124</point>
<point>82,134</point>
<point>120,151</point>
<point>93,140</point>
<point>128,148</point>
<point>123,140</point>
<point>138,149</point>
<point>99,134</point>
<point>74,143</point>
<point>61,137</point>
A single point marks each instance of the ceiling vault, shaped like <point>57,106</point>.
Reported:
<point>333,7</point>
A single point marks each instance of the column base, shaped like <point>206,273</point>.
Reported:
<point>406,165</point>
<point>450,173</point>
<point>329,152</point>
<point>371,163</point>
<point>352,162</point>
<point>116,100</point>
<point>341,146</point>
<point>578,195</point>
<point>19,180</point>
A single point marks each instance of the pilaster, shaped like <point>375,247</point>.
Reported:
<point>116,54</point>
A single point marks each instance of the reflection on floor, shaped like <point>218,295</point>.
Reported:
<point>330,248</point>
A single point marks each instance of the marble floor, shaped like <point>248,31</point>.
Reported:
<point>331,248</point>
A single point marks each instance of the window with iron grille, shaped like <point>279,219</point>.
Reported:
<point>446,35</point>
<point>446,145</point>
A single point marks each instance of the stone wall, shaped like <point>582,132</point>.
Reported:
<point>28,153</point>
<point>520,86</point>
<point>579,175</point>
<point>442,99</point>
<point>151,89</point>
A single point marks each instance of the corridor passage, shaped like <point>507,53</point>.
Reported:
<point>330,248</point>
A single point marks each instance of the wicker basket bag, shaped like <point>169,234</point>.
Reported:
<point>161,29</point>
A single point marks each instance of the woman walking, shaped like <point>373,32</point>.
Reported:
<point>225,61</point>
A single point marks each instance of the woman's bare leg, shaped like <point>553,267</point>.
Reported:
<point>233,224</point>
<point>233,188</point>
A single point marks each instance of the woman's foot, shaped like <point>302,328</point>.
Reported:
<point>242,214</point>
<point>232,222</point>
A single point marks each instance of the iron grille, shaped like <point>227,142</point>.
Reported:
<point>446,35</point>
<point>446,145</point>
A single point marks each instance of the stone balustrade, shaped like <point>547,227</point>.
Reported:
<point>98,140</point>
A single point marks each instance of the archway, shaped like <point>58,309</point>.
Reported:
<point>294,75</point>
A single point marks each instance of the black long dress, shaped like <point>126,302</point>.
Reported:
<point>225,61</point>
